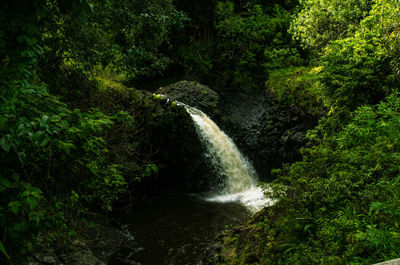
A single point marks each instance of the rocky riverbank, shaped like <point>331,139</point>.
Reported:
<point>94,244</point>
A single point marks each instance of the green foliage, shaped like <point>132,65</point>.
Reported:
<point>320,22</point>
<point>136,33</point>
<point>47,151</point>
<point>299,89</point>
<point>198,58</point>
<point>150,169</point>
<point>358,70</point>
<point>132,36</point>
<point>382,23</point>
<point>339,204</point>
<point>357,58</point>
<point>3,250</point>
<point>137,142</point>
<point>252,43</point>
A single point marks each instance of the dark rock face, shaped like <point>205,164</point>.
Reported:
<point>193,94</point>
<point>268,134</point>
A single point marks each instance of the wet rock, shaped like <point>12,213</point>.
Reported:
<point>267,133</point>
<point>193,94</point>
<point>93,246</point>
<point>211,255</point>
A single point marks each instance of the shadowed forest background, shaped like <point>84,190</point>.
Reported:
<point>81,131</point>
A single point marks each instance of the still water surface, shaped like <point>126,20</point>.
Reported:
<point>175,230</point>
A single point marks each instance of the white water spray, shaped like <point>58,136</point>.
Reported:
<point>238,175</point>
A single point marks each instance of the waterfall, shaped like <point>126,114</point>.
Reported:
<point>239,179</point>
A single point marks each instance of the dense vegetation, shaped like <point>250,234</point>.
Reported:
<point>76,136</point>
<point>73,136</point>
<point>339,204</point>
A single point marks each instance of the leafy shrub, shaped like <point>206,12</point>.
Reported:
<point>355,72</point>
<point>358,57</point>
<point>51,156</point>
<point>320,22</point>
<point>338,205</point>
<point>252,43</point>
<point>359,69</point>
<point>297,88</point>
<point>382,24</point>
<point>137,34</point>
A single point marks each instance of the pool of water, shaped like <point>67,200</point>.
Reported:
<point>175,230</point>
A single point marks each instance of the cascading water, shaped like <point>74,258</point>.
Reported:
<point>237,174</point>
<point>178,229</point>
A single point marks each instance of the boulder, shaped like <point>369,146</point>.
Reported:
<point>193,94</point>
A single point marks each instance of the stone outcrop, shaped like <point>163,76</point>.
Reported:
<point>267,133</point>
<point>193,94</point>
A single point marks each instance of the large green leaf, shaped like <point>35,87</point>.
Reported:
<point>4,144</point>
<point>3,250</point>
